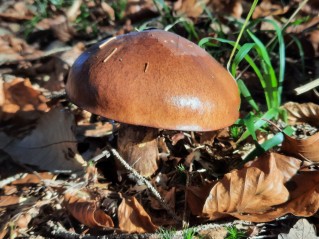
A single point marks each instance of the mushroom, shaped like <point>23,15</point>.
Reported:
<point>153,80</point>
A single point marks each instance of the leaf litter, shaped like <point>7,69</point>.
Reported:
<point>40,134</point>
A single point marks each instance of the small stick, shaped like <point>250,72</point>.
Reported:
<point>307,87</point>
<point>109,56</point>
<point>140,178</point>
<point>106,42</point>
<point>146,67</point>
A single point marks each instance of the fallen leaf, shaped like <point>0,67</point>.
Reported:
<point>15,49</point>
<point>17,11</point>
<point>251,192</point>
<point>21,101</point>
<point>270,8</point>
<point>197,196</point>
<point>50,146</point>
<point>302,113</point>
<point>33,178</point>
<point>305,148</point>
<point>10,200</point>
<point>190,8</point>
<point>222,7</point>
<point>87,211</point>
<point>167,195</point>
<point>133,218</point>
<point>301,230</point>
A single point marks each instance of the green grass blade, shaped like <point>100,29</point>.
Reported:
<point>282,57</point>
<point>252,8</point>
<point>246,94</point>
<point>301,52</point>
<point>243,51</point>
<point>271,89</point>
<point>270,114</point>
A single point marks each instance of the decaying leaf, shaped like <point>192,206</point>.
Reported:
<point>133,218</point>
<point>270,8</point>
<point>302,113</point>
<point>33,179</point>
<point>306,148</point>
<point>197,197</point>
<point>167,195</point>
<point>50,146</point>
<point>253,191</point>
<point>190,8</point>
<point>87,211</point>
<point>301,230</point>
<point>21,101</point>
<point>10,200</point>
<point>13,49</point>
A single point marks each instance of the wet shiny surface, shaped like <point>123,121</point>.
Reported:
<point>157,79</point>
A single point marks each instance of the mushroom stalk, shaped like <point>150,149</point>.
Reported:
<point>138,146</point>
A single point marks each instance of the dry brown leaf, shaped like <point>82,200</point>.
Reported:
<point>33,178</point>
<point>87,211</point>
<point>305,148</point>
<point>21,101</point>
<point>308,147</point>
<point>301,230</point>
<point>50,146</point>
<point>13,49</point>
<point>190,8</point>
<point>252,191</point>
<point>197,196</point>
<point>233,7</point>
<point>270,8</point>
<point>167,195</point>
<point>133,218</point>
<point>302,113</point>
<point>17,11</point>
<point>10,200</point>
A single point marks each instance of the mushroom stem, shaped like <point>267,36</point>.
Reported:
<point>138,146</point>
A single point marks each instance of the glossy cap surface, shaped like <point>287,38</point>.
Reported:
<point>157,79</point>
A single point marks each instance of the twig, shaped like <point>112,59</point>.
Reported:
<point>140,178</point>
<point>307,87</point>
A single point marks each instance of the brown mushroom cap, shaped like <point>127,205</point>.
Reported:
<point>156,79</point>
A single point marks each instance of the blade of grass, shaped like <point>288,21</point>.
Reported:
<point>252,8</point>
<point>271,79</point>
<point>270,114</point>
<point>246,94</point>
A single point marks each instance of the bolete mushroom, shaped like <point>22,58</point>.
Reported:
<point>153,80</point>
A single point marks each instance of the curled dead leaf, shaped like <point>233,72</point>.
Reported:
<point>270,8</point>
<point>87,211</point>
<point>190,8</point>
<point>21,101</point>
<point>251,192</point>
<point>301,230</point>
<point>305,148</point>
<point>302,113</point>
<point>133,218</point>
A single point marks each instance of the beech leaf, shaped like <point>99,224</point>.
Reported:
<point>87,211</point>
<point>252,191</point>
<point>133,218</point>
